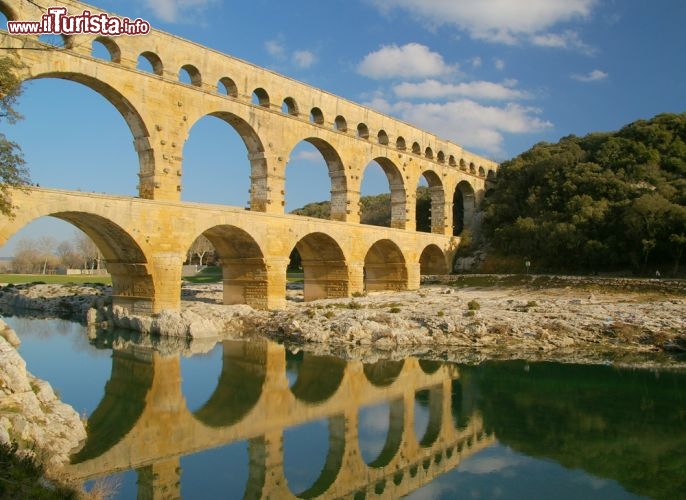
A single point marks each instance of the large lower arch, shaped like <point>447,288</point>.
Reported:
<point>132,284</point>
<point>385,267</point>
<point>432,261</point>
<point>464,205</point>
<point>324,266</point>
<point>134,120</point>
<point>243,265</point>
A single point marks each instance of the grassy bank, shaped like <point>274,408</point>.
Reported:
<point>541,281</point>
<point>212,274</point>
<point>22,477</point>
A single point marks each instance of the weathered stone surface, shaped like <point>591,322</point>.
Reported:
<point>9,335</point>
<point>32,415</point>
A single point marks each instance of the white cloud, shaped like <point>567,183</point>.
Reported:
<point>304,58</point>
<point>173,11</point>
<point>594,76</point>
<point>499,64</point>
<point>503,21</point>
<point>279,51</point>
<point>308,155</point>
<point>412,60</point>
<point>275,48</point>
<point>476,62</point>
<point>433,89</point>
<point>489,465</point>
<point>566,40</point>
<point>467,122</point>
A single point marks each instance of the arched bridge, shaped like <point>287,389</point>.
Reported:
<point>145,239</point>
<point>143,422</point>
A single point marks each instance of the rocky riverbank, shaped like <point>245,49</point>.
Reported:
<point>31,415</point>
<point>491,316</point>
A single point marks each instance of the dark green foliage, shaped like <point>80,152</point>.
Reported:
<point>319,210</point>
<point>624,425</point>
<point>22,477</point>
<point>13,172</point>
<point>599,202</point>
<point>375,210</point>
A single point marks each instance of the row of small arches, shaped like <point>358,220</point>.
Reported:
<point>189,74</point>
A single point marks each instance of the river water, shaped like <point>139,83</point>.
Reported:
<point>250,419</point>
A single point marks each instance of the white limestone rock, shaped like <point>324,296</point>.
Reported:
<point>32,415</point>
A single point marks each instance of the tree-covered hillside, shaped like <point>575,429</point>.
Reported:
<point>595,203</point>
<point>375,210</point>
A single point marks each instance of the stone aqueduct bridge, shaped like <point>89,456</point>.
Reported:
<point>145,239</point>
<point>253,401</point>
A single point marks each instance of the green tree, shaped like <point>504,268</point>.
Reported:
<point>603,201</point>
<point>13,171</point>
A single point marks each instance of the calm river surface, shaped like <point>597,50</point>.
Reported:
<point>250,419</point>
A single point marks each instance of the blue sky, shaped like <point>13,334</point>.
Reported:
<point>495,76</point>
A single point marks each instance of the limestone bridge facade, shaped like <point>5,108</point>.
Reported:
<point>144,239</point>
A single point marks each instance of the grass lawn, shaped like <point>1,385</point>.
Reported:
<point>210,274</point>
<point>54,278</point>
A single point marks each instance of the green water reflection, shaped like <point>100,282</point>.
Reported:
<point>251,419</point>
<point>628,425</point>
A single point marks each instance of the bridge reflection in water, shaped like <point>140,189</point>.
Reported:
<point>143,422</point>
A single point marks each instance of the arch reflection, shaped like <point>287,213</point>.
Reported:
<point>154,431</point>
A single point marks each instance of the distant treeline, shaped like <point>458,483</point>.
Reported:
<point>375,210</point>
<point>601,202</point>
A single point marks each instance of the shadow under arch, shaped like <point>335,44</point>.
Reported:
<point>131,116</point>
<point>385,267</point>
<point>324,266</point>
<point>464,205</point>
<point>432,261</point>
<point>243,266</point>
<point>319,377</point>
<point>121,407</point>
<point>337,177</point>
<point>384,372</point>
<point>240,384</point>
